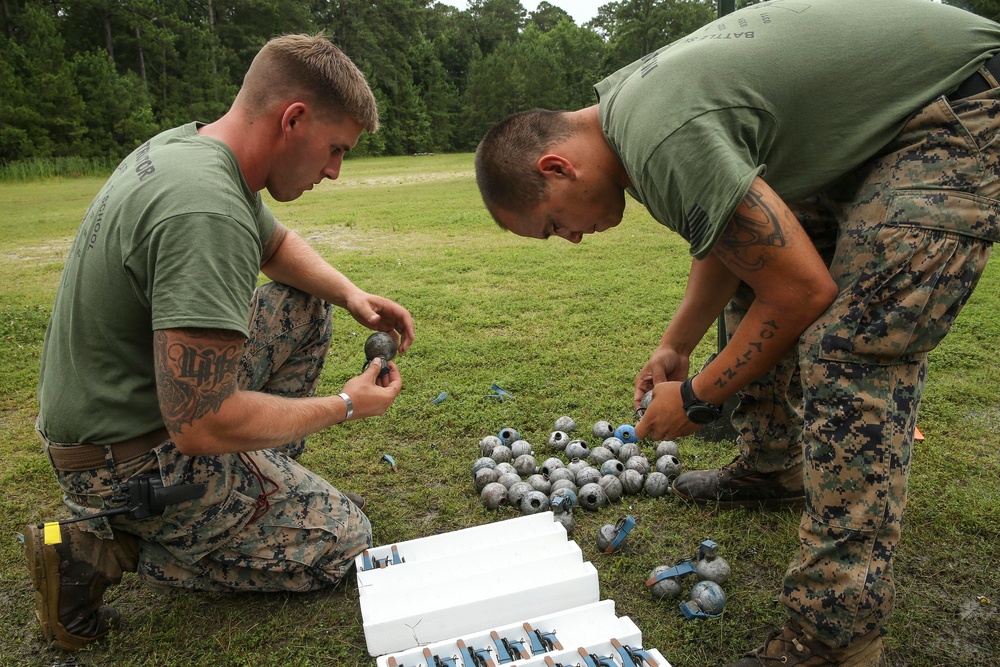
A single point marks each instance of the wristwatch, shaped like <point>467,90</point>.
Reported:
<point>698,411</point>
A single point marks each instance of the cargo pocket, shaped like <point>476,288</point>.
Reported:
<point>920,267</point>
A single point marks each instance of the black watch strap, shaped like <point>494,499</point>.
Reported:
<point>698,411</point>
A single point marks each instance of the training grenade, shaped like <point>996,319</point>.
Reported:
<point>707,601</point>
<point>484,476</point>
<point>665,447</point>
<point>602,430</point>
<point>562,500</point>
<point>669,465</point>
<point>612,538</point>
<point>631,481</point>
<point>509,479</point>
<point>587,475</point>
<point>557,474</point>
<point>501,454</point>
<point>487,444</point>
<point>493,495</point>
<point>558,440</point>
<point>520,448</point>
<point>566,519</point>
<point>656,485</point>
<point>504,468</point>
<point>552,464</point>
<point>661,585</point>
<point>600,454</point>
<point>612,467</point>
<point>517,491</point>
<point>612,488</point>
<point>711,566</point>
<point>639,463</point>
<point>565,424</point>
<point>647,398</point>
<point>525,465</point>
<point>563,484</point>
<point>628,450</point>
<point>613,444</point>
<point>540,483</point>
<point>382,345</point>
<point>508,436</point>
<point>592,497</point>
<point>484,462</point>
<point>577,449</point>
<point>626,433</point>
<point>534,502</point>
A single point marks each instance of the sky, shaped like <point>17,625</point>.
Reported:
<point>581,10</point>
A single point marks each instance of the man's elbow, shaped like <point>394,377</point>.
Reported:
<point>192,441</point>
<point>822,295</point>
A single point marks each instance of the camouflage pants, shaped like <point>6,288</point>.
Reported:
<point>906,237</point>
<point>310,533</point>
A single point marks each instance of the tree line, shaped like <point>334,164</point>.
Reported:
<point>94,78</point>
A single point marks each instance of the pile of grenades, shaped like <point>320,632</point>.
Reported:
<point>706,598</point>
<point>508,473</point>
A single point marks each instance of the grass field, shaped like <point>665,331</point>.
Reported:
<point>564,328</point>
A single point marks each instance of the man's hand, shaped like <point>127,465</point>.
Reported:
<point>372,395</point>
<point>664,364</point>
<point>665,419</point>
<point>381,314</point>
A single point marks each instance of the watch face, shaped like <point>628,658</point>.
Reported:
<point>703,415</point>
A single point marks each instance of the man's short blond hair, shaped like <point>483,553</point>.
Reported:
<point>308,68</point>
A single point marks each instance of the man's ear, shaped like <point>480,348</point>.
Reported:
<point>556,166</point>
<point>292,117</point>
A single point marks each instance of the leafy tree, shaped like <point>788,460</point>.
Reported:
<point>547,16</point>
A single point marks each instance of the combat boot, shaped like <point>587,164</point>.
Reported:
<point>70,570</point>
<point>792,646</point>
<point>737,484</point>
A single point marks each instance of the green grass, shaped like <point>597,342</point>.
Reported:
<point>564,328</point>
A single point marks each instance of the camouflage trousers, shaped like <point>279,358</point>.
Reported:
<point>906,238</point>
<point>266,523</point>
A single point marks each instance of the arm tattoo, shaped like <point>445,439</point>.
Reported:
<point>196,371</point>
<point>754,226</point>
<point>754,348</point>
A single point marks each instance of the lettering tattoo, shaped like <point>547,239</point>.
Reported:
<point>754,347</point>
<point>196,371</point>
<point>753,228</point>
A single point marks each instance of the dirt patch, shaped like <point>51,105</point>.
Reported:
<point>337,238</point>
<point>403,179</point>
<point>50,251</point>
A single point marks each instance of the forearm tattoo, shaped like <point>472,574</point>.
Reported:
<point>754,348</point>
<point>754,226</point>
<point>196,371</point>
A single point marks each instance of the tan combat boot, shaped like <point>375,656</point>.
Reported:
<point>737,484</point>
<point>792,646</point>
<point>70,569</point>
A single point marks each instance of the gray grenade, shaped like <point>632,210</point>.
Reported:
<point>639,463</point>
<point>600,454</point>
<point>558,474</point>
<point>551,464</point>
<point>656,484</point>
<point>485,476</point>
<point>669,465</point>
<point>631,482</point>
<point>613,467</point>
<point>577,449</point>
<point>562,500</point>
<point>517,491</point>
<point>508,436</point>
<point>509,479</point>
<point>647,398</point>
<point>520,448</point>
<point>484,462</point>
<point>613,444</point>
<point>628,450</point>
<point>707,600</point>
<point>665,447</point>
<point>612,488</point>
<point>711,566</point>
<point>534,502</point>
<point>592,497</point>
<point>565,424</point>
<point>493,495</point>
<point>667,587</point>
<point>558,440</point>
<point>501,454</point>
<point>576,465</point>
<point>563,484</point>
<point>612,538</point>
<point>539,483</point>
<point>504,468</point>
<point>566,519</point>
<point>525,465</point>
<point>380,344</point>
<point>587,476</point>
<point>602,430</point>
<point>487,444</point>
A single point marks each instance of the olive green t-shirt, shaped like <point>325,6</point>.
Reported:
<point>799,92</point>
<point>174,239</point>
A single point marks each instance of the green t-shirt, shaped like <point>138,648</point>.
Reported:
<point>798,92</point>
<point>174,239</point>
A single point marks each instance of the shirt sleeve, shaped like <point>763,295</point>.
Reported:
<point>693,181</point>
<point>202,272</point>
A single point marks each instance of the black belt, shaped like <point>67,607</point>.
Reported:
<point>977,83</point>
